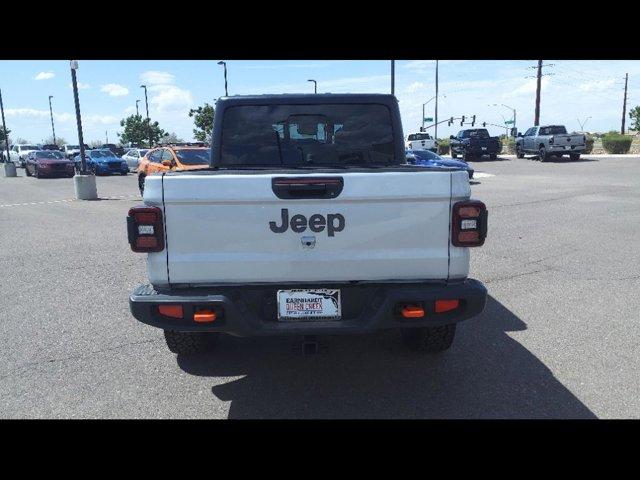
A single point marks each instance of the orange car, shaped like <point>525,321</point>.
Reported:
<point>172,157</point>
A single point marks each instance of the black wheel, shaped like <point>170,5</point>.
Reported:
<point>141,184</point>
<point>519,152</point>
<point>189,343</point>
<point>466,156</point>
<point>542,154</point>
<point>429,339</point>
<point>574,157</point>
<point>36,173</point>
<point>27,172</point>
<point>453,154</point>
<point>493,156</point>
<point>124,173</point>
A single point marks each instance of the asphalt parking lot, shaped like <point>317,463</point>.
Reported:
<point>558,339</point>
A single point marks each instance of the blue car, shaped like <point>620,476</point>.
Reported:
<point>102,162</point>
<point>430,159</point>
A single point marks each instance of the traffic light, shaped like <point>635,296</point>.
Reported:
<point>422,129</point>
<point>450,122</point>
<point>462,121</point>
<point>473,120</point>
<point>484,124</point>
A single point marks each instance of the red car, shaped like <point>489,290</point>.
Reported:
<point>49,163</point>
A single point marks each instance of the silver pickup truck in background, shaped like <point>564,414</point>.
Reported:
<point>549,140</point>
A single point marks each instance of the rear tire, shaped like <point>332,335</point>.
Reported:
<point>27,172</point>
<point>519,152</point>
<point>190,343</point>
<point>574,157</point>
<point>454,154</point>
<point>493,156</point>
<point>141,184</point>
<point>36,174</point>
<point>429,339</point>
<point>542,153</point>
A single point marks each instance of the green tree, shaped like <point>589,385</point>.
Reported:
<point>634,114</point>
<point>203,120</point>
<point>171,138</point>
<point>138,130</point>
<point>4,135</point>
<point>59,141</point>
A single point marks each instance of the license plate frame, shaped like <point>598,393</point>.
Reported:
<point>303,304</point>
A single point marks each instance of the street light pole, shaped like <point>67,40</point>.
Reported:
<point>146,102</point>
<point>85,185</point>
<point>315,85</point>
<point>425,103</point>
<point>436,129</point>
<point>53,128</point>
<point>9,167</point>
<point>224,64</point>
<point>393,77</point>
<point>137,112</point>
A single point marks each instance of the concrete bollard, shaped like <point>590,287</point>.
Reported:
<point>85,186</point>
<point>10,170</point>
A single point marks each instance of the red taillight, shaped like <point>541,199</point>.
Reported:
<point>469,224</point>
<point>145,229</point>
<point>412,311</point>
<point>446,305</point>
<point>173,311</point>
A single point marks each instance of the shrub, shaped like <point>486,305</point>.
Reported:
<point>616,143</point>
<point>443,146</point>
<point>508,145</point>
<point>589,143</point>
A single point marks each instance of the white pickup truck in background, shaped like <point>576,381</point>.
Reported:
<point>309,222</point>
<point>421,141</point>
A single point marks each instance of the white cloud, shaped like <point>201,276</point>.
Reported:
<point>100,120</point>
<point>154,77</point>
<point>44,76</point>
<point>34,113</point>
<point>81,86</point>
<point>169,98</point>
<point>414,87</point>
<point>114,89</point>
<point>129,111</point>
<point>527,88</point>
<point>596,85</point>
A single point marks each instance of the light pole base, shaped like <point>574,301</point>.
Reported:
<point>10,169</point>
<point>85,186</point>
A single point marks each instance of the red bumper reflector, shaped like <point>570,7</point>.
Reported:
<point>412,311</point>
<point>204,316</point>
<point>446,305</point>
<point>146,242</point>
<point>174,311</point>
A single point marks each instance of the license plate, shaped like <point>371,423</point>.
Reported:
<point>309,304</point>
<point>484,148</point>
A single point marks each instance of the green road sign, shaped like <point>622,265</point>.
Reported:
<point>428,119</point>
<point>509,122</point>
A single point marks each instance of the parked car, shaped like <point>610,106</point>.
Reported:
<point>421,141</point>
<point>549,140</point>
<point>474,143</point>
<point>102,162</point>
<point>18,153</point>
<point>48,163</point>
<point>169,158</point>
<point>308,225</point>
<point>70,151</point>
<point>119,151</point>
<point>429,159</point>
<point>133,157</point>
<point>51,146</point>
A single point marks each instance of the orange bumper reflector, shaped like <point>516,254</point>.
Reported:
<point>204,316</point>
<point>412,311</point>
<point>446,305</point>
<point>174,311</point>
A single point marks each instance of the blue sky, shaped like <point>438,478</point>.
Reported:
<point>109,89</point>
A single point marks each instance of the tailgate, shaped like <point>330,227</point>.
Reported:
<point>232,228</point>
<point>568,140</point>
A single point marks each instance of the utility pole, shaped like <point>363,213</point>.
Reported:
<point>146,102</point>
<point>52,125</point>
<point>9,167</point>
<point>436,118</point>
<point>393,77</point>
<point>536,121</point>
<point>137,112</point>
<point>624,104</point>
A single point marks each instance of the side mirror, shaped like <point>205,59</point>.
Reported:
<point>451,137</point>
<point>520,134</point>
<point>167,163</point>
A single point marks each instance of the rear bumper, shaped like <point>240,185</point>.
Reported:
<point>557,149</point>
<point>251,310</point>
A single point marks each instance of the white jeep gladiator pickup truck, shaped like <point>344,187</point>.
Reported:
<point>309,221</point>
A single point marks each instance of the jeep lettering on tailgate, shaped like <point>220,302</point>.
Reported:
<point>334,222</point>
